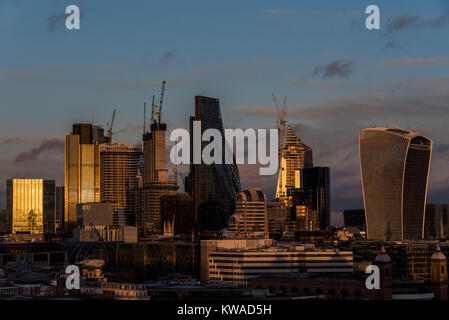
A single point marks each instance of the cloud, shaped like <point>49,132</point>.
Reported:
<point>167,56</point>
<point>405,21</point>
<point>10,141</point>
<point>413,62</point>
<point>33,154</point>
<point>333,125</point>
<point>54,20</point>
<point>338,68</point>
<point>390,45</point>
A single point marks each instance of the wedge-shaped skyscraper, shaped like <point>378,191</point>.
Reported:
<point>395,166</point>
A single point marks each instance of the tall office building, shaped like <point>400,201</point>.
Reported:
<point>119,168</point>
<point>60,208</point>
<point>295,156</point>
<point>156,182</point>
<point>213,186</point>
<point>395,165</point>
<point>250,219</point>
<point>82,171</point>
<point>31,205</point>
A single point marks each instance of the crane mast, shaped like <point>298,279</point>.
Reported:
<point>110,125</point>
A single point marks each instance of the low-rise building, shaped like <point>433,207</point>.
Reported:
<point>236,262</point>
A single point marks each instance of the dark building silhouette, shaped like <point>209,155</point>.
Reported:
<point>178,214</point>
<point>213,187</point>
<point>314,192</point>
<point>395,165</point>
<point>355,218</point>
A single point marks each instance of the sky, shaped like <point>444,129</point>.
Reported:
<point>339,77</point>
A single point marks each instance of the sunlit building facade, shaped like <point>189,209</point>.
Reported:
<point>156,182</point>
<point>119,168</point>
<point>82,171</point>
<point>250,219</point>
<point>295,156</point>
<point>395,165</point>
<point>31,205</point>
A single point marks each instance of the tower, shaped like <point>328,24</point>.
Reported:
<point>295,155</point>
<point>119,166</point>
<point>438,274</point>
<point>156,181</point>
<point>394,166</point>
<point>383,261</point>
<point>213,186</point>
<point>82,172</point>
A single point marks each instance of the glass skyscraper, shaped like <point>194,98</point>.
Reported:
<point>214,187</point>
<point>31,205</point>
<point>82,171</point>
<point>395,165</point>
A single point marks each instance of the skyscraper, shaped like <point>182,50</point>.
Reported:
<point>395,165</point>
<point>156,182</point>
<point>213,187</point>
<point>31,204</point>
<point>295,155</point>
<point>119,168</point>
<point>82,171</point>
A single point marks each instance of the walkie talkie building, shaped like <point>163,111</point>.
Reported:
<point>395,165</point>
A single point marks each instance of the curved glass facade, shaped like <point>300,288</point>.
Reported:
<point>394,166</point>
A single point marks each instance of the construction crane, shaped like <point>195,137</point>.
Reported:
<point>282,123</point>
<point>152,111</point>
<point>159,108</point>
<point>109,125</point>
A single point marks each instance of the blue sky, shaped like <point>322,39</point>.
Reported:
<point>338,76</point>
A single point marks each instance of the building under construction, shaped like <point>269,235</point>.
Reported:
<point>119,167</point>
<point>156,182</point>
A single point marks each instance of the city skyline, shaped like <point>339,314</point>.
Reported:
<point>335,88</point>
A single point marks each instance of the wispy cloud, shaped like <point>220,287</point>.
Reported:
<point>167,56</point>
<point>406,21</point>
<point>390,45</point>
<point>46,146</point>
<point>10,141</point>
<point>338,68</point>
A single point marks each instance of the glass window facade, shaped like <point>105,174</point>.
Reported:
<point>31,203</point>
<point>395,167</point>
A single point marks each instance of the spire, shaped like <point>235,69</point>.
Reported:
<point>438,255</point>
